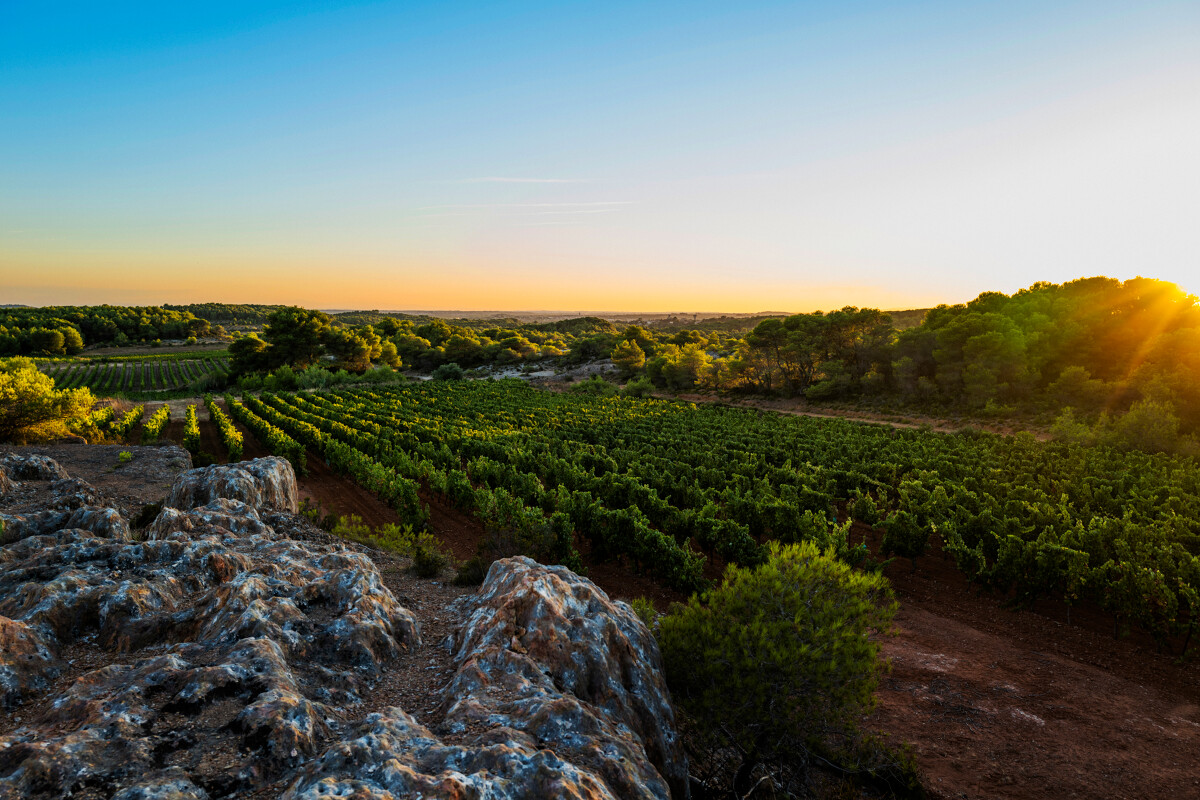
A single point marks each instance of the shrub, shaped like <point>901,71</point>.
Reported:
<point>595,386</point>
<point>427,553</point>
<point>191,433</point>
<point>472,571</point>
<point>643,607</point>
<point>778,661</point>
<point>641,387</point>
<point>124,457</point>
<point>448,372</point>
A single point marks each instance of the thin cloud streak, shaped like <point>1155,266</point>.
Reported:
<point>519,180</point>
<point>602,203</point>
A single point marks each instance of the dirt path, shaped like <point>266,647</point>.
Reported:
<point>1018,704</point>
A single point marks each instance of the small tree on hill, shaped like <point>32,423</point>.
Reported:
<point>778,661</point>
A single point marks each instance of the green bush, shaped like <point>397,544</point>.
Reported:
<point>641,387</point>
<point>778,661</point>
<point>428,555</point>
<point>643,607</point>
<point>595,386</point>
<point>124,457</point>
<point>472,571</point>
<point>448,372</point>
<point>31,409</point>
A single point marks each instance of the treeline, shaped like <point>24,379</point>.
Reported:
<point>299,338</point>
<point>66,330</point>
<point>251,314</point>
<point>1098,346</point>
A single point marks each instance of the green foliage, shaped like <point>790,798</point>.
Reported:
<point>152,428</point>
<point>594,386</point>
<point>641,387</point>
<point>231,437</point>
<point>124,457</point>
<point>59,330</point>
<point>191,432</point>
<point>449,372</point>
<point>648,481</point>
<point>120,428</point>
<point>779,658</point>
<point>428,555</point>
<point>643,607</point>
<point>473,571</point>
<point>31,409</point>
<point>628,357</point>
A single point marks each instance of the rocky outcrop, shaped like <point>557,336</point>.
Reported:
<point>32,468</point>
<point>7,484</point>
<point>558,693</point>
<point>234,648</point>
<point>106,522</point>
<point>393,756</point>
<point>73,493</point>
<point>233,654</point>
<point>264,483</point>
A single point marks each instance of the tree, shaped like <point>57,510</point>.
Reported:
<point>628,358</point>
<point>295,336</point>
<point>247,354</point>
<point>31,408</point>
<point>778,659</point>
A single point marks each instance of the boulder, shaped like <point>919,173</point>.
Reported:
<point>32,468</point>
<point>558,693</point>
<point>7,484</point>
<point>74,493</point>
<point>264,483</point>
<point>101,521</point>
<point>232,516</point>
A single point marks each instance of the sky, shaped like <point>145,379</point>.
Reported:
<point>634,156</point>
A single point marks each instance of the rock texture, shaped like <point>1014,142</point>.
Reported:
<point>106,522</point>
<point>221,655</point>
<point>32,468</point>
<point>234,651</point>
<point>559,693</point>
<point>264,483</point>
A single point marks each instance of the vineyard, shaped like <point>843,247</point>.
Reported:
<point>667,486</point>
<point>136,375</point>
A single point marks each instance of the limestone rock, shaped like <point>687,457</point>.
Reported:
<point>233,516</point>
<point>106,522</point>
<point>264,483</point>
<point>248,645</point>
<point>25,662</point>
<point>558,693</point>
<point>394,756</point>
<point>73,493</point>
<point>32,468</point>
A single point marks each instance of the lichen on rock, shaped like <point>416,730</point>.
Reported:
<point>264,483</point>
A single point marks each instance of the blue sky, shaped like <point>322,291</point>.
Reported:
<point>648,156</point>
